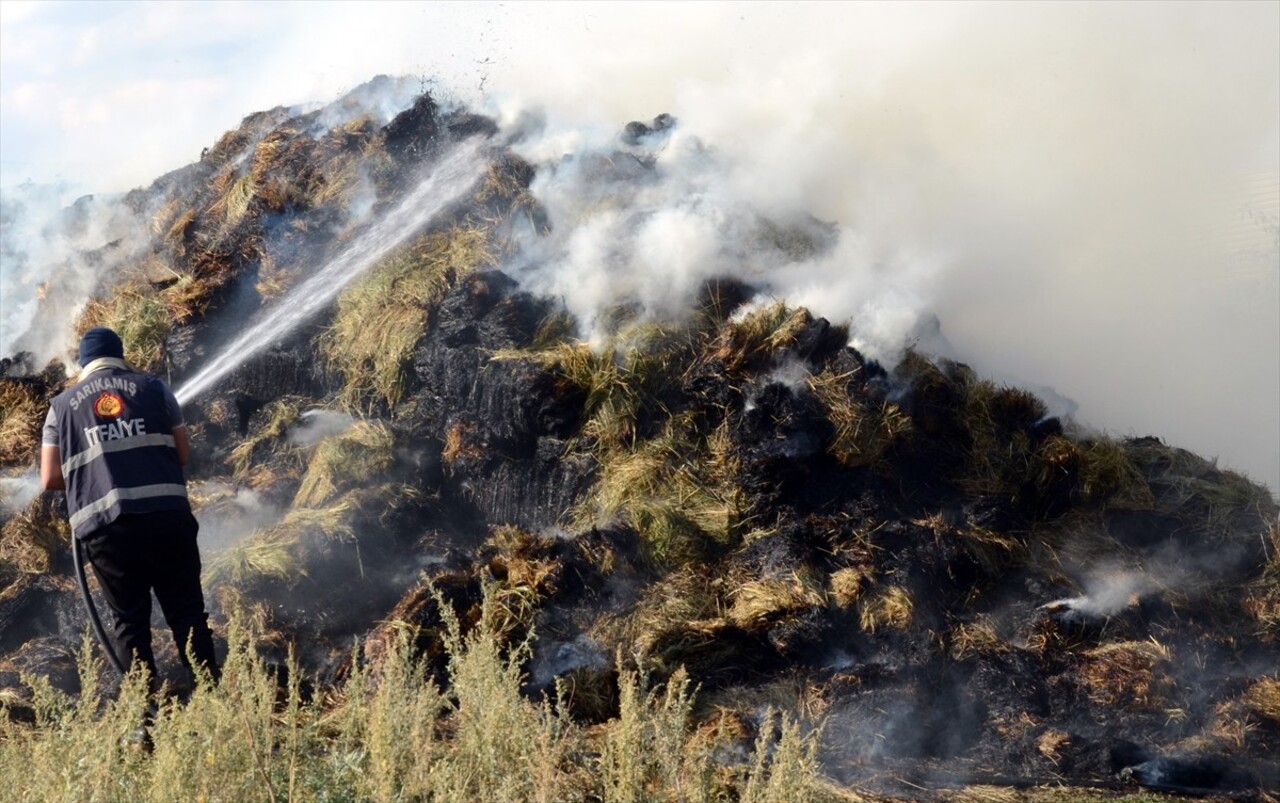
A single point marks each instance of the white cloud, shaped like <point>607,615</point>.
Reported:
<point>15,11</point>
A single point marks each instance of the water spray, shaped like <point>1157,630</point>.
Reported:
<point>442,186</point>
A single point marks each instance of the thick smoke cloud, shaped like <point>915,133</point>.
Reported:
<point>52,258</point>
<point>1085,195</point>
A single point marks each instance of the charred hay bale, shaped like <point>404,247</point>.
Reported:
<point>865,424</point>
<point>501,423</point>
<point>488,310</point>
<point>461,124</point>
<point>282,372</point>
<point>1009,683</point>
<point>792,548</point>
<point>412,136</point>
<point>49,658</point>
<point>38,605</point>
<point>635,131</point>
<point>790,611</point>
<point>24,404</point>
<point>885,722</point>
<point>330,570</point>
<point>238,141</point>
<point>515,401</point>
<point>934,397</point>
<point>763,338</point>
<point>590,693</point>
<point>782,424</point>
<point>1128,674</point>
<point>780,439</point>
<point>38,539</point>
<point>720,296</point>
<point>560,569</point>
<point>382,318</point>
<point>715,652</point>
<point>418,614</point>
<point>500,488</point>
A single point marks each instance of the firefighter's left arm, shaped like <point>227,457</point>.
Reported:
<point>51,468</point>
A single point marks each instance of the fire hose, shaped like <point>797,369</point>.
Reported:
<point>96,620</point>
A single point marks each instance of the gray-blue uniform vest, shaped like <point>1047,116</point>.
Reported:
<point>117,449</point>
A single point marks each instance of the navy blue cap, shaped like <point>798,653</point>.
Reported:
<point>100,342</point>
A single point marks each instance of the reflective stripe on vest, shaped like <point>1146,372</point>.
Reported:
<point>98,449</point>
<point>116,495</point>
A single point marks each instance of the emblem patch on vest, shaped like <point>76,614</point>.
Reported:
<point>108,405</point>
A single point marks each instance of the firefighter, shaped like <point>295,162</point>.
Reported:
<point>117,443</point>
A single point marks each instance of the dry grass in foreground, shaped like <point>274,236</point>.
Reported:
<point>390,734</point>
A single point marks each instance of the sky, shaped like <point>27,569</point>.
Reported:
<point>1086,195</point>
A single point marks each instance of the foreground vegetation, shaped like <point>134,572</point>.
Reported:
<point>388,732</point>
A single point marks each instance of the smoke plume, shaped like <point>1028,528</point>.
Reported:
<point>18,492</point>
<point>317,425</point>
<point>1085,195</point>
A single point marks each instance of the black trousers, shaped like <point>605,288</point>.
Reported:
<point>140,553</point>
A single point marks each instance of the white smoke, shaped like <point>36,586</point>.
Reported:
<point>642,225</point>
<point>317,425</point>
<point>1109,590</point>
<point>792,372</point>
<point>1086,195</point>
<point>52,257</point>
<point>229,514</point>
<point>17,492</point>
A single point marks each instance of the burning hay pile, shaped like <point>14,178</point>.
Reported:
<point>936,578</point>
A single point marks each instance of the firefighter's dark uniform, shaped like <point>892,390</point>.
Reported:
<point>127,499</point>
